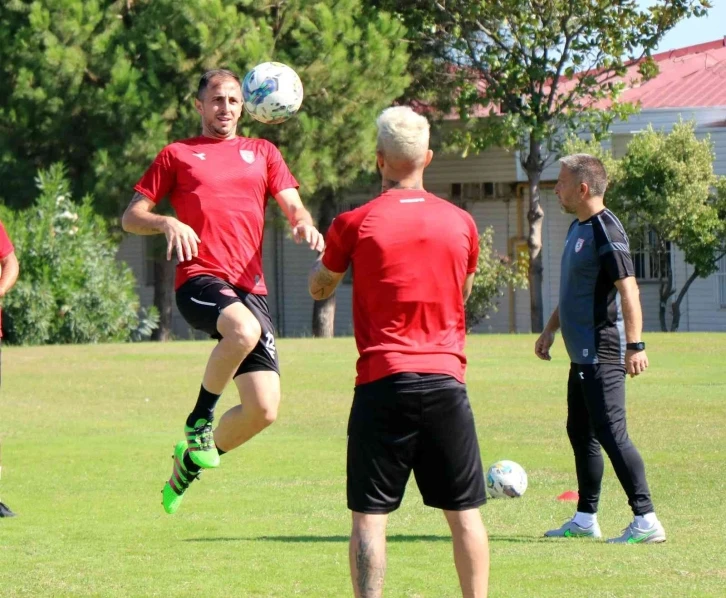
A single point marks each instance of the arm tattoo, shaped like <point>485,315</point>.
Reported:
<point>322,282</point>
<point>141,228</point>
<point>371,570</point>
<point>137,198</point>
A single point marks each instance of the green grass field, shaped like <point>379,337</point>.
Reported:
<point>88,433</point>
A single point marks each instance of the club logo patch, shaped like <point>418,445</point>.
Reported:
<point>247,156</point>
<point>579,244</point>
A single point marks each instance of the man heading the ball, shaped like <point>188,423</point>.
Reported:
<point>218,184</point>
<point>601,320</point>
<point>413,257</point>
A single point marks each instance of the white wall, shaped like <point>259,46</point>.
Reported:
<point>501,216</point>
<point>494,165</point>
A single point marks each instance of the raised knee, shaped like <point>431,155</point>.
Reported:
<point>268,416</point>
<point>246,334</point>
<point>265,416</point>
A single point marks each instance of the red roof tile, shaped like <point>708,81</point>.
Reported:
<point>690,77</point>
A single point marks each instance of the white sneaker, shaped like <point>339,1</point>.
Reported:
<point>637,535</point>
<point>570,529</point>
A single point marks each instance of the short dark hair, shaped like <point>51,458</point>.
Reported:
<point>589,170</point>
<point>214,74</point>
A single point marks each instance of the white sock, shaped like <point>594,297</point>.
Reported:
<point>585,519</point>
<point>646,521</point>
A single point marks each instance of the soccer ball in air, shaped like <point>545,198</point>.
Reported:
<point>272,92</point>
<point>506,479</point>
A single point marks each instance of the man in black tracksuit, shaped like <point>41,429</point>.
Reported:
<point>600,317</point>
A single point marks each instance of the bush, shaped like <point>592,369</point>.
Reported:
<point>71,289</point>
<point>494,273</point>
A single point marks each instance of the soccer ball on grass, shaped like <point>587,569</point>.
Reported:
<point>506,479</point>
<point>272,92</point>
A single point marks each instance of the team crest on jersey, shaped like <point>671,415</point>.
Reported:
<point>247,156</point>
<point>579,244</point>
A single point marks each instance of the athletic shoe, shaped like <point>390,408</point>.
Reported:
<point>173,492</point>
<point>570,529</point>
<point>637,535</point>
<point>200,442</point>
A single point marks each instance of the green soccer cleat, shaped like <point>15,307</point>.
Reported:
<point>200,442</point>
<point>570,529</point>
<point>636,535</point>
<point>174,489</point>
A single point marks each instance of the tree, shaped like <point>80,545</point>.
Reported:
<point>104,85</point>
<point>48,62</point>
<point>520,74</point>
<point>493,273</point>
<point>664,187</point>
<point>355,66</point>
<point>72,289</point>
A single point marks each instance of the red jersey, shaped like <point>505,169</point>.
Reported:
<point>220,189</point>
<point>6,248</point>
<point>410,252</point>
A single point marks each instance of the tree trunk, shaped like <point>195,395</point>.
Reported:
<point>676,322</point>
<point>163,296</point>
<point>535,217</point>
<point>324,311</point>
<point>666,290</point>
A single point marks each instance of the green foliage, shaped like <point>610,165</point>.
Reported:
<point>494,273</point>
<point>148,322</point>
<point>104,85</point>
<point>71,289</point>
<point>664,189</point>
<point>546,65</point>
<point>666,185</point>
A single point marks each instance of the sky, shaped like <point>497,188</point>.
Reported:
<point>695,31</point>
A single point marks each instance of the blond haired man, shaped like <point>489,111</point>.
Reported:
<point>413,256</point>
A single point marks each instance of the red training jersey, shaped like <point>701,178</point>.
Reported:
<point>410,252</point>
<point>220,189</point>
<point>6,248</point>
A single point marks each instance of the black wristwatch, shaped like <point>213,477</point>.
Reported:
<point>640,346</point>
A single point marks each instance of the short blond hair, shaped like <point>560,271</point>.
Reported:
<point>403,134</point>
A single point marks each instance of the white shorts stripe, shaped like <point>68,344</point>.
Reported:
<point>203,302</point>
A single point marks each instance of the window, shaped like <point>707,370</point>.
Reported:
<point>651,260</point>
<point>463,192</point>
<point>721,281</point>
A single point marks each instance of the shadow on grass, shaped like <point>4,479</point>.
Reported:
<point>392,538</point>
<point>495,538</point>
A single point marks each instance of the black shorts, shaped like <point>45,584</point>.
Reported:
<point>202,298</point>
<point>419,422</point>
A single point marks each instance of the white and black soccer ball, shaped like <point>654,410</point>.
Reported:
<point>506,479</point>
<point>272,92</point>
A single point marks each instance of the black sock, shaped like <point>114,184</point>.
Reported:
<point>204,409</point>
<point>190,465</point>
